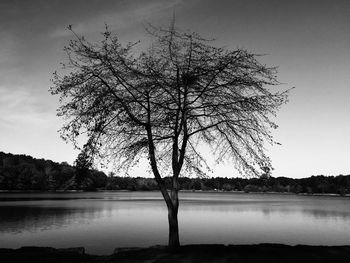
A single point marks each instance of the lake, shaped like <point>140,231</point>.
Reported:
<point>102,221</point>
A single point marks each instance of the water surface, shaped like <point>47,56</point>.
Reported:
<point>102,221</point>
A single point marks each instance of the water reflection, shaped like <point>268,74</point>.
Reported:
<point>103,221</point>
<point>34,218</point>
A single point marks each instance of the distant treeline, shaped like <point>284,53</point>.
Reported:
<point>312,185</point>
<point>21,172</point>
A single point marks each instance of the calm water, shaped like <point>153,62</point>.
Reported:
<point>103,221</point>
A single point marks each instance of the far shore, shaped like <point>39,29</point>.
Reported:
<point>184,191</point>
<point>188,253</point>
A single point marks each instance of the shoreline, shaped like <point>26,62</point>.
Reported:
<point>184,191</point>
<point>187,253</point>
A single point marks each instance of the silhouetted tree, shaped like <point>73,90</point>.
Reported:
<point>162,102</point>
<point>266,172</point>
<point>83,165</point>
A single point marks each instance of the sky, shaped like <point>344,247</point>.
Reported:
<point>308,40</point>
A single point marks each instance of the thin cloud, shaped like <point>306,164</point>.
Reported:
<point>122,19</point>
<point>18,106</point>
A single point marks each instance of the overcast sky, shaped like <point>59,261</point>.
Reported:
<point>309,41</point>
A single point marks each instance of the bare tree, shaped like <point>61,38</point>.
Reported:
<point>162,102</point>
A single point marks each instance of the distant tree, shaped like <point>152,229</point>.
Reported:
<point>266,172</point>
<point>162,102</point>
<point>52,182</point>
<point>111,174</point>
<point>227,187</point>
<point>83,164</point>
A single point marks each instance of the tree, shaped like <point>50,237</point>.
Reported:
<point>266,172</point>
<point>162,102</point>
<point>83,164</point>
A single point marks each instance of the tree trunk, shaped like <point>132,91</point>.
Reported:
<point>173,209</point>
<point>174,241</point>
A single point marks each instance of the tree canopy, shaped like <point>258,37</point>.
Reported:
<point>182,88</point>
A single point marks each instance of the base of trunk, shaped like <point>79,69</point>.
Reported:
<point>174,240</point>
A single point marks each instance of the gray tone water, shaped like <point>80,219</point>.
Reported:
<point>102,221</point>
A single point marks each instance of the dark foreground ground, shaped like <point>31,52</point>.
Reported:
<point>190,253</point>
